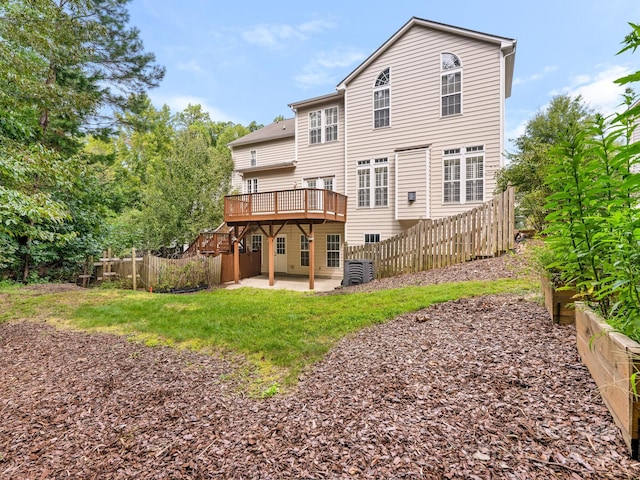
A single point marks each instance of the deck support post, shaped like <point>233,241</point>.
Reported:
<point>312,258</point>
<point>236,257</point>
<point>271,261</point>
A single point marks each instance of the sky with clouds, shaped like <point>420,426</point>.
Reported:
<point>245,61</point>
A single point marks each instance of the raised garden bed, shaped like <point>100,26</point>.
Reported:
<point>558,302</point>
<point>613,359</point>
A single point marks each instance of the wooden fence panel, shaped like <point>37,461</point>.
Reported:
<point>484,231</point>
<point>162,273</point>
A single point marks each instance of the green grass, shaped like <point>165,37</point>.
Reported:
<point>280,332</point>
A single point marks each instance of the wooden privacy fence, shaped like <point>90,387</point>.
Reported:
<point>158,273</point>
<point>484,231</point>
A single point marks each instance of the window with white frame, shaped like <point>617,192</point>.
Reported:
<point>320,182</point>
<point>323,125</point>
<point>304,251</point>
<point>474,173</point>
<point>256,243</point>
<point>315,126</point>
<point>371,237</point>
<point>331,124</point>
<point>451,84</point>
<point>364,183</point>
<point>463,167</point>
<point>251,185</point>
<point>254,158</point>
<point>382,100</point>
<point>378,170</point>
<point>333,251</point>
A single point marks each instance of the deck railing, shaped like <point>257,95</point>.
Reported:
<point>299,204</point>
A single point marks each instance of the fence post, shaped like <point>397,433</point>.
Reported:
<point>134,280</point>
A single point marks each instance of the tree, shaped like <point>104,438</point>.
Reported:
<point>186,195</point>
<point>527,167</point>
<point>65,66</point>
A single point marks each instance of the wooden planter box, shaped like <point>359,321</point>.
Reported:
<point>612,359</point>
<point>559,303</point>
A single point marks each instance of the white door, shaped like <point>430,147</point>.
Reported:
<point>280,261</point>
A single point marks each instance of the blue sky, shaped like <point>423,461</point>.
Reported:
<point>245,61</point>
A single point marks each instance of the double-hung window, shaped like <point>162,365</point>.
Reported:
<point>451,84</point>
<point>319,182</point>
<point>251,185</point>
<point>333,251</point>
<point>304,251</point>
<point>374,172</point>
<point>463,175</point>
<point>323,125</point>
<point>315,127</point>
<point>254,158</point>
<point>256,243</point>
<point>382,100</point>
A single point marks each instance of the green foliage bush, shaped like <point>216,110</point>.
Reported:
<point>594,220</point>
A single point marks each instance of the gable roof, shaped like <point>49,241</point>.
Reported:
<point>507,45</point>
<point>273,131</point>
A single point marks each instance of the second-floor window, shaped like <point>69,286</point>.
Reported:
<point>254,158</point>
<point>451,84</point>
<point>320,182</point>
<point>463,175</point>
<point>373,173</point>
<point>323,125</point>
<point>251,185</point>
<point>381,100</point>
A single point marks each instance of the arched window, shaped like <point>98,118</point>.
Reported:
<point>451,82</point>
<point>381,100</point>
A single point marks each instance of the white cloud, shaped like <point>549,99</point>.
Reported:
<point>318,70</point>
<point>536,76</point>
<point>277,36</point>
<point>177,103</point>
<point>598,90</point>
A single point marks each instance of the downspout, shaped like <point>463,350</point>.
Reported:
<point>346,161</point>
<point>503,101</point>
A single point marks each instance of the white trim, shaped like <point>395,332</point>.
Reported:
<point>296,136</point>
<point>502,110</point>
<point>346,156</point>
<point>429,186</point>
<point>395,185</point>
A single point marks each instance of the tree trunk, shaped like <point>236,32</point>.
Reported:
<point>44,115</point>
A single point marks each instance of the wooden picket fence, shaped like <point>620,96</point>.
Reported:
<point>155,273</point>
<point>484,231</point>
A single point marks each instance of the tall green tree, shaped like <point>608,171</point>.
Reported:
<point>65,67</point>
<point>528,165</point>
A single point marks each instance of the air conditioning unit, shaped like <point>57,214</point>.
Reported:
<point>357,272</point>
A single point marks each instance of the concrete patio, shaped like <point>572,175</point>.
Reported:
<point>287,282</point>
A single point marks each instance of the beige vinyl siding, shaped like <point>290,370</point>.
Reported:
<point>293,234</point>
<point>412,168</point>
<point>268,153</point>
<point>321,159</point>
<point>414,62</point>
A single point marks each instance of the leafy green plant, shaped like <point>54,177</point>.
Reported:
<point>594,225</point>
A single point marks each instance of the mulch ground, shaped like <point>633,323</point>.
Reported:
<point>473,389</point>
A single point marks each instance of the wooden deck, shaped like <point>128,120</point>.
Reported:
<point>308,205</point>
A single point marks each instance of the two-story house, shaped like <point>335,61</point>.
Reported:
<point>415,132</point>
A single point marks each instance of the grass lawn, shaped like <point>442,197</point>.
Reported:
<point>279,331</point>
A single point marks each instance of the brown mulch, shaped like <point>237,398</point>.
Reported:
<point>473,389</point>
